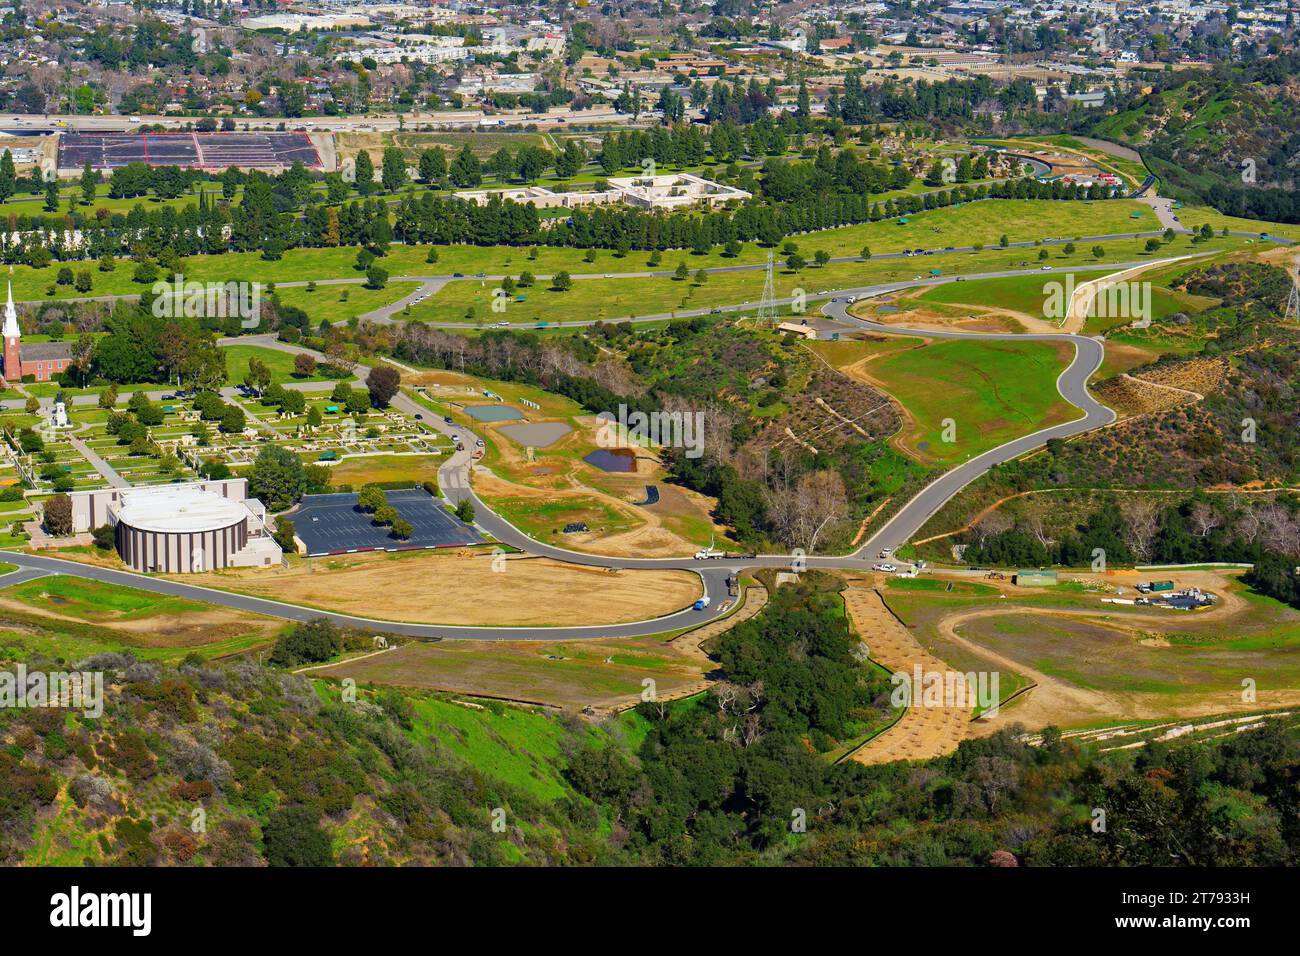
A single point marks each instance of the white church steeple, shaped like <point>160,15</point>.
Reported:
<point>11,316</point>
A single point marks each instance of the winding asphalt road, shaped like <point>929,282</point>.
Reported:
<point>1072,384</point>
<point>454,480</point>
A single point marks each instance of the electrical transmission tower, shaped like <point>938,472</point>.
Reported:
<point>1293,300</point>
<point>767,305</point>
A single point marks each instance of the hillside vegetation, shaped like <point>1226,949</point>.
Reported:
<point>1229,138</point>
<point>240,764</point>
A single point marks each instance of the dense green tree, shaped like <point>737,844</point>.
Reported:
<point>276,478</point>
<point>293,837</point>
<point>383,383</point>
<point>394,170</point>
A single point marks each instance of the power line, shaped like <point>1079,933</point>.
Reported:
<point>1293,300</point>
<point>767,305</point>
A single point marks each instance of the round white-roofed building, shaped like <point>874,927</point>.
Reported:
<point>180,528</point>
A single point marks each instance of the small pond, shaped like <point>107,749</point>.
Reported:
<point>612,459</point>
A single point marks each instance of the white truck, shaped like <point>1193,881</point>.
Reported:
<point>709,554</point>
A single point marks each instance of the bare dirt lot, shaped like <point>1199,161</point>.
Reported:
<point>1088,663</point>
<point>435,588</point>
<point>923,731</point>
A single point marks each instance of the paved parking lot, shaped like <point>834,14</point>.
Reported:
<point>331,524</point>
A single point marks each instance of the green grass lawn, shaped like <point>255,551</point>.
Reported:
<point>991,392</point>
<point>985,222</point>
<point>980,222</point>
<point>339,303</point>
<point>92,601</point>
<point>1196,216</point>
<point>470,301</point>
<point>280,363</point>
<point>544,520</point>
<point>1017,293</point>
<point>516,746</point>
<point>358,471</point>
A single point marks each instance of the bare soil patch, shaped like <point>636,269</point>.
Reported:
<point>438,588</point>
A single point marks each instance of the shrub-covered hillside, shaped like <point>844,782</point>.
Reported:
<point>274,771</point>
<point>240,764</point>
<point>1197,129</point>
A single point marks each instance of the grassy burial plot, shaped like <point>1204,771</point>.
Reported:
<point>991,392</point>
<point>360,447</point>
<point>278,361</point>
<point>469,301</point>
<point>981,222</point>
<point>163,462</point>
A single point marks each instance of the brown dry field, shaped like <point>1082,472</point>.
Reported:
<point>914,313</point>
<point>922,732</point>
<point>1122,357</point>
<point>1131,397</point>
<point>433,588</point>
<point>1203,375</point>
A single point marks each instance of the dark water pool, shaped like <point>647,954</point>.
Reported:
<point>612,459</point>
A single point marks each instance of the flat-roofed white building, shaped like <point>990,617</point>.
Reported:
<point>675,190</point>
<point>422,53</point>
<point>302,21</point>
<point>195,526</point>
<point>672,191</point>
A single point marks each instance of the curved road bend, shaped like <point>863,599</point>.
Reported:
<point>1071,384</point>
<point>40,564</point>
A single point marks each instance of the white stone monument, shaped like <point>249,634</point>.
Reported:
<point>59,417</point>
